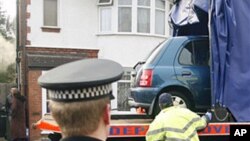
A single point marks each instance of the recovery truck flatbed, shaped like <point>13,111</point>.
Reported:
<point>129,127</point>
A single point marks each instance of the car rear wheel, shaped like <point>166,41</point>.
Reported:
<point>179,99</point>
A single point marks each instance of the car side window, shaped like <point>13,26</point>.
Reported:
<point>195,53</point>
<point>186,55</point>
<point>201,53</point>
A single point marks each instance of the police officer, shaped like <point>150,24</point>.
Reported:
<point>80,94</point>
<point>174,123</point>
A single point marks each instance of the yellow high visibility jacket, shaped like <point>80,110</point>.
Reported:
<point>176,124</point>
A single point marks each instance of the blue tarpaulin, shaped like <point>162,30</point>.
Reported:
<point>189,17</point>
<point>230,43</point>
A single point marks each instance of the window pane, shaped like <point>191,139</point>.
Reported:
<point>144,2</point>
<point>105,19</point>
<point>124,19</point>
<point>201,49</point>
<point>143,22</point>
<point>160,22</point>
<point>160,4</point>
<point>125,2</point>
<point>47,108</point>
<point>186,55</point>
<point>50,12</point>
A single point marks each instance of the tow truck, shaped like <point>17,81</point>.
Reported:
<point>230,66</point>
<point>133,127</point>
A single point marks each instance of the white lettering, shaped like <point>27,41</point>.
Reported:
<point>243,131</point>
<point>239,132</point>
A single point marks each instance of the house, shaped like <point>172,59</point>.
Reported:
<point>53,32</point>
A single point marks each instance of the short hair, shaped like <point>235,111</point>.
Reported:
<point>15,91</point>
<point>77,118</point>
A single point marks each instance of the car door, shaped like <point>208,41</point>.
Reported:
<point>192,70</point>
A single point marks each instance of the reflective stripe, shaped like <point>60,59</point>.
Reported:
<point>178,139</point>
<point>157,131</point>
<point>190,123</point>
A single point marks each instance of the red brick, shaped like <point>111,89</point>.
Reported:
<point>31,88</point>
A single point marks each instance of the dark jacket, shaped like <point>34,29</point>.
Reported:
<point>8,104</point>
<point>18,126</point>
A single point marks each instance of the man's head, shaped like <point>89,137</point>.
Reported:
<point>165,100</point>
<point>14,91</point>
<point>80,94</point>
<point>81,118</point>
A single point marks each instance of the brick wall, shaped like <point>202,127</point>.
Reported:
<point>90,53</point>
<point>34,102</point>
<point>30,86</point>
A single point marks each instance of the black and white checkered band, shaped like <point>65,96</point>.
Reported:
<point>80,94</point>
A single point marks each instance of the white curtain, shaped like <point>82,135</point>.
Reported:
<point>105,19</point>
<point>125,19</point>
<point>143,20</point>
<point>160,22</point>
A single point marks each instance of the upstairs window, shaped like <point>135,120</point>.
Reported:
<point>105,19</point>
<point>143,16</point>
<point>124,15</point>
<point>50,13</point>
<point>160,17</point>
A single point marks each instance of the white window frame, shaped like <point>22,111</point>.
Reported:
<point>58,16</point>
<point>44,99</point>
<point>135,7</point>
<point>44,104</point>
<point>104,3</point>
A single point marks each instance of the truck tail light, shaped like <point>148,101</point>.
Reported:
<point>146,78</point>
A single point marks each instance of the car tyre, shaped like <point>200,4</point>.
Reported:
<point>179,99</point>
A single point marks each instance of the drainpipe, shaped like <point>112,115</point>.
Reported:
<point>17,46</point>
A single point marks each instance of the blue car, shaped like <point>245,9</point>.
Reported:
<point>180,66</point>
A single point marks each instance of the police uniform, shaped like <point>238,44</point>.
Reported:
<point>82,80</point>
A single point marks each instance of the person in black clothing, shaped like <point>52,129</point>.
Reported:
<point>8,104</point>
<point>18,123</point>
<point>80,94</point>
<point>9,100</point>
